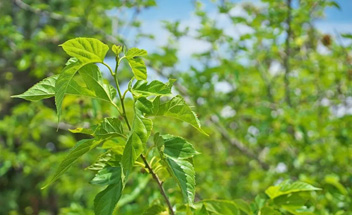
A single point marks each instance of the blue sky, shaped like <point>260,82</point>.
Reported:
<point>182,10</point>
<point>344,15</point>
<point>172,10</point>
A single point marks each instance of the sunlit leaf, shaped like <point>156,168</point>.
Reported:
<point>86,50</point>
<point>183,172</point>
<point>136,63</point>
<point>142,88</point>
<point>287,188</point>
<point>176,108</point>
<point>117,49</point>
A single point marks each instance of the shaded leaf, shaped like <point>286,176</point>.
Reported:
<point>221,207</point>
<point>269,211</point>
<point>101,162</point>
<point>108,175</point>
<point>82,147</point>
<point>105,202</point>
<point>202,211</point>
<point>154,210</point>
<point>110,127</point>
<point>242,205</point>
<point>138,136</point>
<point>177,147</point>
<point>94,81</point>
<point>63,83</point>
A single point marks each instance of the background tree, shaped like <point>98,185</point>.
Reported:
<point>274,100</point>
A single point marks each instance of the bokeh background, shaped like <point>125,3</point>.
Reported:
<point>277,105</point>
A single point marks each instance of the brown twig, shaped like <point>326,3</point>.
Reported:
<point>239,145</point>
<point>160,184</point>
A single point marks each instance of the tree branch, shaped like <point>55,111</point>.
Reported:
<point>239,145</point>
<point>160,184</point>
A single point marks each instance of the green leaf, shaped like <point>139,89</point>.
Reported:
<point>243,206</point>
<point>202,211</point>
<point>117,49</point>
<point>138,136</point>
<point>141,184</point>
<point>108,175</point>
<point>176,150</point>
<point>183,172</point>
<point>138,68</point>
<point>94,81</point>
<point>347,36</point>
<point>105,202</point>
<point>42,90</point>
<point>294,199</point>
<point>269,211</point>
<point>154,210</point>
<point>221,207</point>
<point>46,89</point>
<point>157,88</point>
<point>176,147</point>
<point>86,50</point>
<point>82,131</point>
<point>102,161</point>
<point>176,108</point>
<point>136,52</point>
<point>110,127</point>
<point>63,83</point>
<point>136,63</point>
<point>82,147</point>
<point>287,188</point>
<point>130,153</point>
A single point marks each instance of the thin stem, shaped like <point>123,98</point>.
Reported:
<point>119,92</point>
<point>156,178</point>
<point>111,72</point>
<point>120,95</point>
<point>124,94</point>
<point>160,184</point>
<point>120,60</point>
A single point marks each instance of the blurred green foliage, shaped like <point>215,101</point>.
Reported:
<point>273,112</point>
